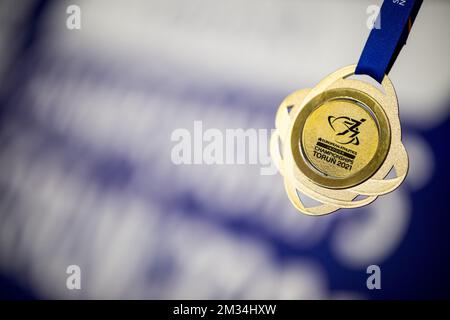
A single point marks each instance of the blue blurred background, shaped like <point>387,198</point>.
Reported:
<point>86,176</point>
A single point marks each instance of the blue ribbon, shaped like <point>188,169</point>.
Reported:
<point>395,19</point>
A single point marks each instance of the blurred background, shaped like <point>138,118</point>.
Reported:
<point>86,176</point>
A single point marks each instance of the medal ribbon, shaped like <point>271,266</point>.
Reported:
<point>395,19</point>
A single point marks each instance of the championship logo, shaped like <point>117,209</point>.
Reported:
<point>347,129</point>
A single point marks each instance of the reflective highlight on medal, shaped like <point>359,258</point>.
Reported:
<point>337,142</point>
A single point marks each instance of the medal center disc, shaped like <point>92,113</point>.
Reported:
<point>340,138</point>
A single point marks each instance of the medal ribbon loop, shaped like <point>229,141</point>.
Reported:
<point>396,18</point>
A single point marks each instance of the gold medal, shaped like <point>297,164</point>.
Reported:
<point>338,142</point>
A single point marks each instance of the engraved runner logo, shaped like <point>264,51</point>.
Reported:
<point>346,129</point>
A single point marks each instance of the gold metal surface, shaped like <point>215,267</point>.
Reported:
<point>330,153</point>
<point>339,141</point>
<point>330,144</point>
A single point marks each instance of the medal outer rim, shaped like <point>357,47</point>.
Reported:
<point>333,199</point>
